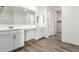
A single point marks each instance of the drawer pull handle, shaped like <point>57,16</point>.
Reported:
<point>14,36</point>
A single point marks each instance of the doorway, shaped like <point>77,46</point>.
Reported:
<point>58,24</point>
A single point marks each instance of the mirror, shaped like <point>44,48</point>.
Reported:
<point>6,15</point>
<point>29,17</point>
<point>16,15</point>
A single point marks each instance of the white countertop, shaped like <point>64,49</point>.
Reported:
<point>16,27</point>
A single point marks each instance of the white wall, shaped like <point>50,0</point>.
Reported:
<point>70,24</point>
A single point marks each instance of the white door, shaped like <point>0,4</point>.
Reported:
<point>6,43</point>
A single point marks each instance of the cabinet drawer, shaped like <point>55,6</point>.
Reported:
<point>7,32</point>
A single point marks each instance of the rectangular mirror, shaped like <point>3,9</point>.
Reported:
<point>16,15</point>
<point>6,15</point>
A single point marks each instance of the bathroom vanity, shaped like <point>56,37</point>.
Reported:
<point>19,24</point>
<point>13,38</point>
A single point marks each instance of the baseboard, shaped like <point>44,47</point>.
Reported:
<point>70,43</point>
<point>17,49</point>
<point>42,38</point>
<point>35,39</point>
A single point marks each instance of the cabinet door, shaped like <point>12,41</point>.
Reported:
<point>6,43</point>
<point>19,39</point>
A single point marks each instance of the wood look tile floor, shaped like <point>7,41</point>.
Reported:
<point>50,44</point>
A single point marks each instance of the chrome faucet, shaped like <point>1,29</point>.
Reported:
<point>10,27</point>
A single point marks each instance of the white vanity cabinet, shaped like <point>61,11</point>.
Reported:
<point>6,43</point>
<point>19,39</point>
<point>10,40</point>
